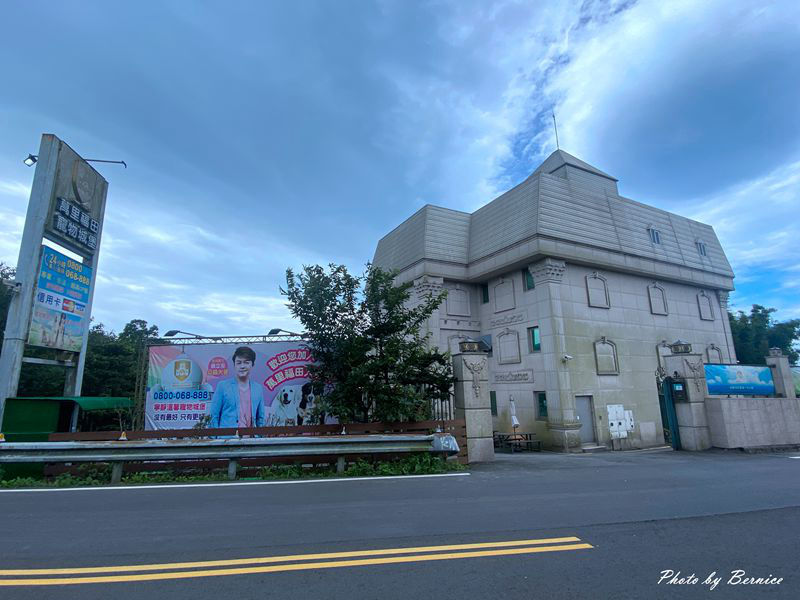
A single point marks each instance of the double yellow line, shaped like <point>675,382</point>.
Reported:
<point>275,564</point>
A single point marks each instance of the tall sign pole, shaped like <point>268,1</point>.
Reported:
<point>67,206</point>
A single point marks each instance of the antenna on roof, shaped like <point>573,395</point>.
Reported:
<point>555,126</point>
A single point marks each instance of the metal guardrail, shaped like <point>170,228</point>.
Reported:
<point>232,449</point>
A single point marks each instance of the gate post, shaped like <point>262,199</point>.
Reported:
<point>781,373</point>
<point>692,420</point>
<point>471,371</point>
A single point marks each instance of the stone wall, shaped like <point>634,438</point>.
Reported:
<point>753,422</point>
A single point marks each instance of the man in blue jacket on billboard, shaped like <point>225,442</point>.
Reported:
<point>239,402</point>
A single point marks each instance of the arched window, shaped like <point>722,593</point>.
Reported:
<point>597,290</point>
<point>658,299</point>
<point>504,295</point>
<point>458,302</point>
<point>705,306</point>
<point>605,355</point>
<point>508,347</point>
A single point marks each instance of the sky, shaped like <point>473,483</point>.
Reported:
<point>266,135</point>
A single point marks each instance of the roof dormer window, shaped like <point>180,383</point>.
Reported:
<point>655,234</point>
<point>701,248</point>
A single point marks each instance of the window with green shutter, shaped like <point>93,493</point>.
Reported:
<point>527,278</point>
<point>541,406</point>
<point>485,293</point>
<point>534,342</point>
<point>493,400</point>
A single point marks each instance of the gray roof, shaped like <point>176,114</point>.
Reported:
<point>559,158</point>
<point>567,209</point>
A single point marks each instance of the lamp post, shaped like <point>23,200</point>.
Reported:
<point>277,331</point>
<point>174,332</point>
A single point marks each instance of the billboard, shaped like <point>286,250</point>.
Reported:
<point>739,380</point>
<point>60,314</point>
<point>228,385</point>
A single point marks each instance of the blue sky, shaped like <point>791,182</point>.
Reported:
<point>262,135</point>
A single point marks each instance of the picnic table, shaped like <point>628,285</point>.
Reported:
<point>517,442</point>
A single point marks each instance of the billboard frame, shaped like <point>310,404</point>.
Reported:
<point>140,390</point>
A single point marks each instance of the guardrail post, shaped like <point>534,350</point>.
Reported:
<point>340,465</point>
<point>232,467</point>
<point>116,472</point>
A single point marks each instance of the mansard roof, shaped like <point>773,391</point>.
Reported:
<point>566,209</point>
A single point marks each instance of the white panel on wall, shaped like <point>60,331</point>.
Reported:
<point>504,296</point>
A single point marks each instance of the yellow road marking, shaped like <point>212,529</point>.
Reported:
<point>293,567</point>
<point>279,559</point>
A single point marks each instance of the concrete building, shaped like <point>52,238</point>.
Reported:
<point>577,290</point>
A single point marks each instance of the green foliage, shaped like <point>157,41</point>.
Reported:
<point>417,464</point>
<point>371,360</point>
<point>754,334</point>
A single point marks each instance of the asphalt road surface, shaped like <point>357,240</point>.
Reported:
<point>613,525</point>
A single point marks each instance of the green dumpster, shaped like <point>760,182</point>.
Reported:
<point>34,419</point>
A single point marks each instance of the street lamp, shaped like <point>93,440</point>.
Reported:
<point>32,158</point>
<point>277,330</point>
<point>173,332</point>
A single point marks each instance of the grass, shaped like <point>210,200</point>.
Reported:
<point>99,475</point>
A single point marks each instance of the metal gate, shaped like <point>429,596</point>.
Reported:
<point>669,417</point>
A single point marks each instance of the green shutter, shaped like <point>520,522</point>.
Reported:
<point>528,279</point>
<point>534,343</point>
<point>542,399</point>
<point>493,400</point>
<point>485,292</point>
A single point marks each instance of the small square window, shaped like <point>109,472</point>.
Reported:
<point>701,248</point>
<point>527,279</point>
<point>485,293</point>
<point>541,406</point>
<point>493,401</point>
<point>534,341</point>
<point>655,235</point>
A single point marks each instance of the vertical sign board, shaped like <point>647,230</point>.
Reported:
<point>60,316</point>
<point>67,205</point>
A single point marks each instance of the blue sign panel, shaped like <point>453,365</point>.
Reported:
<point>61,302</point>
<point>739,380</point>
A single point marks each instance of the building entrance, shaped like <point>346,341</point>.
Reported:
<point>583,409</point>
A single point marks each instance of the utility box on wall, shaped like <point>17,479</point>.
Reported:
<point>617,421</point>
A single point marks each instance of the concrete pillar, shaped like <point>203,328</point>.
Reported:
<point>425,287</point>
<point>471,370</point>
<point>781,373</point>
<point>692,419</point>
<point>548,274</point>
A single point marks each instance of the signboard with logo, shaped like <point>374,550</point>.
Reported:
<point>60,302</point>
<point>737,380</point>
<point>228,385</point>
<point>77,205</point>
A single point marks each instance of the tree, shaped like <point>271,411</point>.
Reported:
<point>754,334</point>
<point>370,358</point>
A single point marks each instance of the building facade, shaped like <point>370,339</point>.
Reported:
<point>577,291</point>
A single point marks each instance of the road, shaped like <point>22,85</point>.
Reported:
<point>535,525</point>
